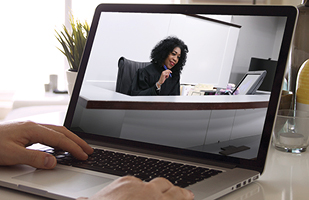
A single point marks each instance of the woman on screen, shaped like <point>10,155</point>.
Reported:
<point>162,76</point>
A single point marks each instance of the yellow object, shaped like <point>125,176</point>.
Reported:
<point>302,92</point>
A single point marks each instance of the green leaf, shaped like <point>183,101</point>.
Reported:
<point>73,43</point>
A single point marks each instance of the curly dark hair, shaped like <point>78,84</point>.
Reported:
<point>161,51</point>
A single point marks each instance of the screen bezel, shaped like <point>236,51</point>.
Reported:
<point>254,164</point>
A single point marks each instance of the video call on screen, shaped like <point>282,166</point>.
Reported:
<point>220,51</point>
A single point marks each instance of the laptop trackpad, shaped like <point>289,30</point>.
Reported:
<point>61,178</point>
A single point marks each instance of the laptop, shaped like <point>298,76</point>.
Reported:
<point>224,136</point>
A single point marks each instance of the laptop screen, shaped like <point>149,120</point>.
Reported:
<point>221,42</point>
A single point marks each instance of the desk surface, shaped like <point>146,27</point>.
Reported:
<point>286,175</point>
<point>34,98</point>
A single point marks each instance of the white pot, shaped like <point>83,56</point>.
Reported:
<point>71,78</point>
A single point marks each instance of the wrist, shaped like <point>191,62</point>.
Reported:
<point>158,85</point>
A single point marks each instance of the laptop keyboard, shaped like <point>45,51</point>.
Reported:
<point>122,164</point>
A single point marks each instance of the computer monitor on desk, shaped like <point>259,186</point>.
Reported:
<point>248,85</point>
<point>250,82</point>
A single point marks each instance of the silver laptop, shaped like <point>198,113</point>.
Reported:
<point>221,139</point>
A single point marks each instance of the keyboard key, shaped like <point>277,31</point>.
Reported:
<point>121,164</point>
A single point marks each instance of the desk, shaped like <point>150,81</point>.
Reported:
<point>41,98</point>
<point>286,176</point>
<point>94,97</point>
<point>237,117</point>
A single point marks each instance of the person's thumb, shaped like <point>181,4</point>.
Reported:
<point>39,159</point>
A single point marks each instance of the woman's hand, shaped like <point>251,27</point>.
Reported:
<point>164,75</point>
<point>129,187</point>
<point>14,137</point>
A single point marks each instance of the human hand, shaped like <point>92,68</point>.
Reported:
<point>131,188</point>
<point>164,75</point>
<point>14,137</point>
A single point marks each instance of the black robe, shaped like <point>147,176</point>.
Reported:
<point>144,82</point>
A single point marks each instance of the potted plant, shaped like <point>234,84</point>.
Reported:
<point>73,43</point>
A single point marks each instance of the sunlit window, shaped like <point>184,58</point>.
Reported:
<point>85,9</point>
<point>28,45</point>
